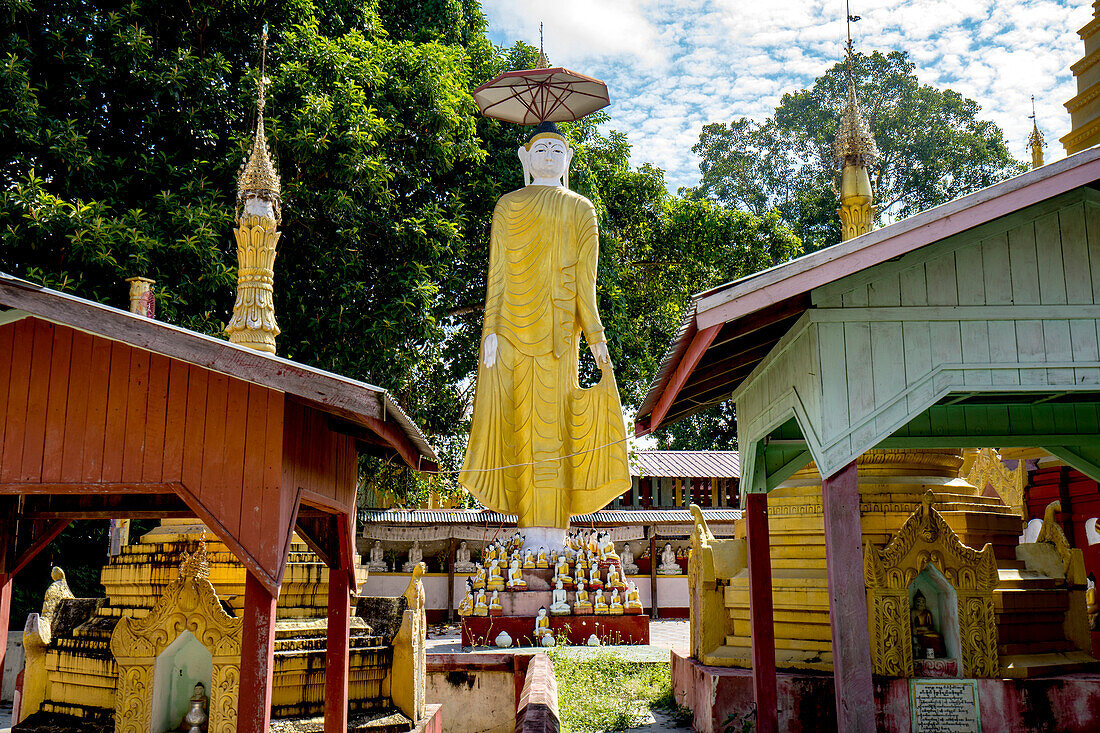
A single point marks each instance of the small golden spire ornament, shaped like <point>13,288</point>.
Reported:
<point>258,214</point>
<point>542,63</point>
<point>1036,141</point>
<point>854,151</point>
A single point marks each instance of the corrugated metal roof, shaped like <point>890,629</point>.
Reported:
<point>604,516</point>
<point>688,463</point>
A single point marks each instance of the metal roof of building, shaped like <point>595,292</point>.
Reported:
<point>687,463</point>
<point>604,516</point>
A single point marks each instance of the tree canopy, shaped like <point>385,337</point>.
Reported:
<point>933,148</point>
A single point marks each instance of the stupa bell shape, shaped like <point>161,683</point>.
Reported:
<point>854,151</point>
<point>258,215</point>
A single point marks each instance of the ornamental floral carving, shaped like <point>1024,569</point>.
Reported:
<point>189,603</point>
<point>988,470</point>
<point>926,539</point>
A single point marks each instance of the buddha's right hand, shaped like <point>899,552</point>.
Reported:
<point>490,350</point>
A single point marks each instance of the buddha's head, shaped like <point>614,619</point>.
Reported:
<point>546,157</point>
<point>919,601</point>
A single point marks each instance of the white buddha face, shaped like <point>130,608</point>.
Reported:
<point>547,160</point>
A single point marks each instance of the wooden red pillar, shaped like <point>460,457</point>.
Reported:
<point>855,698</point>
<point>337,650</point>
<point>760,613</point>
<point>257,656</point>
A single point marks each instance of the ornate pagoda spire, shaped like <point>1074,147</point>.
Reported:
<point>854,151</point>
<point>1035,141</point>
<point>258,214</point>
<point>542,63</point>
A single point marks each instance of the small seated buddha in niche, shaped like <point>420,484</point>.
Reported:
<point>581,603</point>
<point>529,560</point>
<point>925,637</point>
<point>515,576</point>
<point>600,609</point>
<point>481,607</point>
<point>466,605</point>
<point>495,609</point>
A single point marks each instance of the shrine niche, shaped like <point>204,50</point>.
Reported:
<point>188,606</point>
<point>895,574</point>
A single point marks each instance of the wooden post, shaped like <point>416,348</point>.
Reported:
<point>855,695</point>
<point>653,571</point>
<point>760,613</point>
<point>257,656</point>
<point>337,650</point>
<point>451,579</point>
<point>5,613</point>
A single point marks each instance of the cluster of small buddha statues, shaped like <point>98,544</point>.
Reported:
<point>588,567</point>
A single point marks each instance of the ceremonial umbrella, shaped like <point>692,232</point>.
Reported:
<point>532,96</point>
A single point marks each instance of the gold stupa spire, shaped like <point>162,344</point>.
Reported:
<point>1035,141</point>
<point>854,151</point>
<point>258,215</point>
<point>542,63</point>
<point>258,177</point>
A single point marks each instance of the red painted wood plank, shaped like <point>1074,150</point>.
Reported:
<point>7,341</point>
<point>252,482</point>
<point>337,649</point>
<point>175,421</point>
<point>236,431</point>
<point>257,657</point>
<point>855,699</point>
<point>194,431</point>
<point>152,466</point>
<point>76,408</point>
<point>118,392</point>
<point>5,609</point>
<point>764,684</point>
<point>95,420</point>
<point>34,439</point>
<point>54,440</point>
<point>137,407</point>
<point>699,345</point>
<point>214,489</point>
<point>275,500</point>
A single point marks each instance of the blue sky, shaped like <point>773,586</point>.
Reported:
<point>674,65</point>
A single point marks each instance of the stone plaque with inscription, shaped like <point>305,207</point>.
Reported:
<point>944,706</point>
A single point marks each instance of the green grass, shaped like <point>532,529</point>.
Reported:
<point>605,692</point>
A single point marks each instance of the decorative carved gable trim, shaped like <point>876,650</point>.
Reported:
<point>926,539</point>
<point>189,603</point>
<point>988,470</point>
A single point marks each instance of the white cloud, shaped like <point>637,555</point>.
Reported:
<point>674,65</point>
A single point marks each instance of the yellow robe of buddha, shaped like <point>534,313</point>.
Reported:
<point>540,446</point>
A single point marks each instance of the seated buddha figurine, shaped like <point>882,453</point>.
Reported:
<point>559,605</point>
<point>561,571</point>
<point>466,605</point>
<point>542,560</point>
<point>594,581</point>
<point>590,542</point>
<point>529,560</point>
<point>489,553</point>
<point>495,609</point>
<point>668,565</point>
<point>517,542</point>
<point>542,624</point>
<point>515,576</point>
<point>615,607</point>
<point>581,563</point>
<point>581,603</point>
<point>607,548</point>
<point>478,581</point>
<point>614,580</point>
<point>481,608</point>
<point>495,580</point>
<point>925,637</point>
<point>633,602</point>
<point>600,608</point>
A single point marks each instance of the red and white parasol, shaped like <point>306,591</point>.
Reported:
<point>532,96</point>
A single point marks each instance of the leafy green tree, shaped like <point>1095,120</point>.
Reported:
<point>933,148</point>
